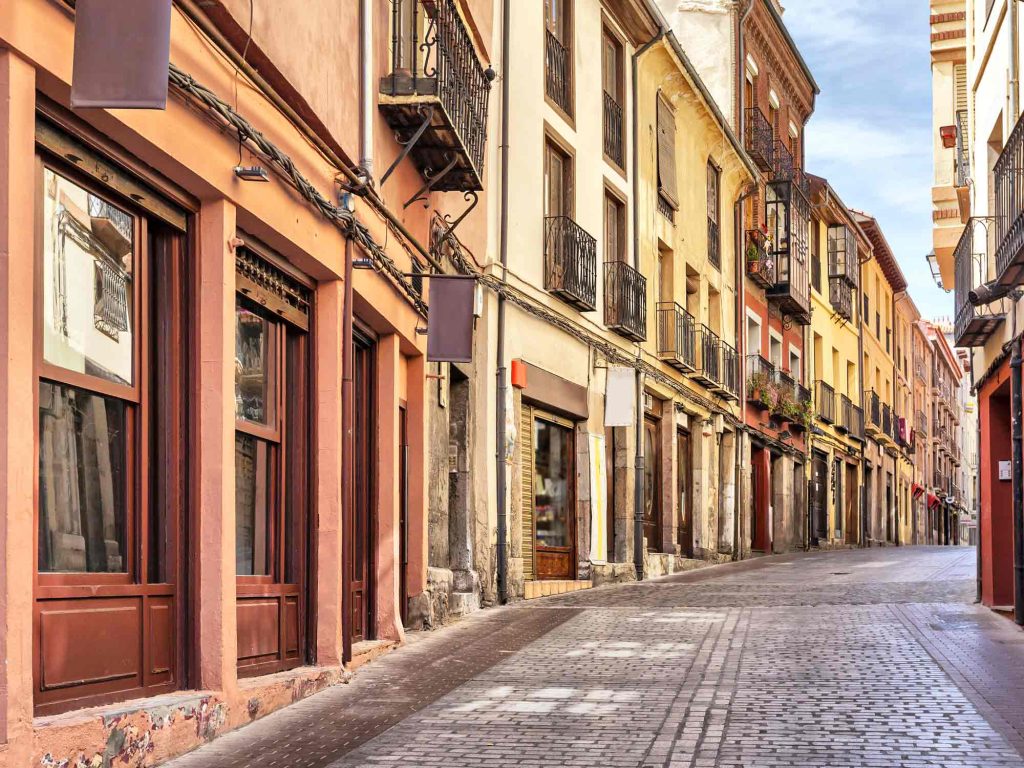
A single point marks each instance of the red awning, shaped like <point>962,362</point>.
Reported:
<point>916,490</point>
<point>933,500</point>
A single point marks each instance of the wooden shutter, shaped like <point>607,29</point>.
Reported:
<point>667,154</point>
<point>526,475</point>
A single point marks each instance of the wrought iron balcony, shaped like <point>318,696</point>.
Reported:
<point>761,380</point>
<point>840,296</point>
<point>730,372</point>
<point>873,417</point>
<point>784,166</point>
<point>825,402</point>
<point>558,73</point>
<point>788,215</point>
<point>886,427</point>
<point>760,139</point>
<point>963,150</point>
<point>435,98</point>
<point>855,420</point>
<point>922,423</point>
<point>613,130</point>
<point>973,326</point>
<point>842,254</point>
<point>708,370</point>
<point>760,267</point>
<point>570,263</point>
<point>1009,194</point>
<point>625,300</point>
<point>677,336</point>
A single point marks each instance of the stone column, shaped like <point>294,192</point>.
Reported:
<point>330,299</point>
<point>416,509</point>
<point>625,483</point>
<point>388,561</point>
<point>215,465</point>
<point>18,465</point>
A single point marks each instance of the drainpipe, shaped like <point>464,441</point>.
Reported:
<point>977,484</point>
<point>501,389</point>
<point>638,494</point>
<point>865,492</point>
<point>366,84</point>
<point>741,345</point>
<point>348,444</point>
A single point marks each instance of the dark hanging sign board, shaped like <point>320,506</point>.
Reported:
<point>122,50</point>
<point>450,319</point>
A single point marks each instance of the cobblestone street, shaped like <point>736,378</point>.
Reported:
<point>854,658</point>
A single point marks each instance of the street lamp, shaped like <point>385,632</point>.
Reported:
<point>933,265</point>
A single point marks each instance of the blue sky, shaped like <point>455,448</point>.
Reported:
<point>870,134</point>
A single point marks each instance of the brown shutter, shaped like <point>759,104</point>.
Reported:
<point>526,475</point>
<point>667,153</point>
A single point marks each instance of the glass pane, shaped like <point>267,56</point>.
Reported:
<point>253,506</point>
<point>88,260</point>
<point>255,367</point>
<point>83,491</point>
<point>552,475</point>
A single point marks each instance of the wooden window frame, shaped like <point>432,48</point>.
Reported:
<point>611,196</point>
<point>714,172</point>
<point>157,391</point>
<point>609,35</point>
<point>552,141</point>
<point>666,163</point>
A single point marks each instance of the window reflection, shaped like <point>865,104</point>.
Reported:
<point>253,488</point>
<point>255,367</point>
<point>552,475</point>
<point>82,481</point>
<point>88,261</point>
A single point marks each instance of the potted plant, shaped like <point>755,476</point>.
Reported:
<point>801,416</point>
<point>783,408</point>
<point>761,390</point>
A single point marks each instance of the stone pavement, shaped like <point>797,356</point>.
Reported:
<point>853,659</point>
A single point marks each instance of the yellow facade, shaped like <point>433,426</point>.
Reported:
<point>833,350</point>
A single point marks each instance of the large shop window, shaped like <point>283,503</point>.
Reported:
<point>110,330</point>
<point>549,498</point>
<point>272,442</point>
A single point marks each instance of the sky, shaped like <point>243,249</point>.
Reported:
<point>870,134</point>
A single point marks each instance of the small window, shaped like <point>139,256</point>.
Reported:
<point>614,229</point>
<point>558,191</point>
<point>667,185</point>
<point>714,206</point>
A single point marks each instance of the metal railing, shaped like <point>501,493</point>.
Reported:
<point>558,72</point>
<point>972,325</point>
<point>760,139</point>
<point>789,210</point>
<point>709,356</point>
<point>840,296</point>
<point>613,129</point>
<point>921,423</point>
<point>677,336</point>
<point>625,300</point>
<point>730,371</point>
<point>784,167</point>
<point>825,402</point>
<point>886,422</point>
<point>873,406</point>
<point>1009,205</point>
<point>443,64</point>
<point>760,379</point>
<point>760,267</point>
<point>570,262</point>
<point>963,149</point>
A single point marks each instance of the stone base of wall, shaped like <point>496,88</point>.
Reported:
<point>145,732</point>
<point>612,573</point>
<point>449,596</point>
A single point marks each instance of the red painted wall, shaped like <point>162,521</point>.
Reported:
<point>996,494</point>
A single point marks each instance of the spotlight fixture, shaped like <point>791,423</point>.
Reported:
<point>251,173</point>
<point>362,264</point>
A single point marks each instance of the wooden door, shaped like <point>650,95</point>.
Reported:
<point>652,485</point>
<point>852,534</point>
<point>819,498</point>
<point>609,453</point>
<point>360,550</point>
<point>549,492</point>
<point>684,492</point>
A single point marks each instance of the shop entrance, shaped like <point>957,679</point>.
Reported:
<point>684,490</point>
<point>360,549</point>
<point>549,498</point>
<point>819,498</point>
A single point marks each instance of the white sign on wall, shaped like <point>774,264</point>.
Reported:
<point>1005,470</point>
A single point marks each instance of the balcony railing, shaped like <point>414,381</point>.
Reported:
<point>435,97</point>
<point>786,391</point>
<point>760,139</point>
<point>788,215</point>
<point>761,381</point>
<point>714,244</point>
<point>886,425</point>
<point>785,166</point>
<point>840,296</point>
<point>730,372</point>
<point>558,73</point>
<point>855,419</point>
<point>613,129</point>
<point>570,263</point>
<point>825,402</point>
<point>973,326</point>
<point>963,149</point>
<point>1009,194</point>
<point>922,423</point>
<point>625,300</point>
<point>873,417</point>
<point>677,336</point>
<point>708,370</point>
<point>760,267</point>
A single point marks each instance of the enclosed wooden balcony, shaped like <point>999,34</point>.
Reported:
<point>760,139</point>
<point>840,296</point>
<point>972,325</point>
<point>842,254</point>
<point>708,370</point>
<point>1009,219</point>
<point>625,300</point>
<point>435,97</point>
<point>788,215</point>
<point>677,336</point>
<point>570,263</point>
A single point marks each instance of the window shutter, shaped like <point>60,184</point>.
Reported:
<point>667,154</point>
<point>526,479</point>
<point>960,87</point>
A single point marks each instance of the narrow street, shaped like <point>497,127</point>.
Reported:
<point>856,658</point>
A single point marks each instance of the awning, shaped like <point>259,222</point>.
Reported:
<point>933,500</point>
<point>916,490</point>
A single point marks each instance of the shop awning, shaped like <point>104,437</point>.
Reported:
<point>916,490</point>
<point>933,500</point>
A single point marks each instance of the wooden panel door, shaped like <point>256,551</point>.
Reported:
<point>652,485</point>
<point>360,550</point>
<point>819,498</point>
<point>553,475</point>
<point>684,492</point>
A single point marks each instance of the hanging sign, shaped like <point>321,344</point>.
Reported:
<point>620,397</point>
<point>122,51</point>
<point>450,319</point>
